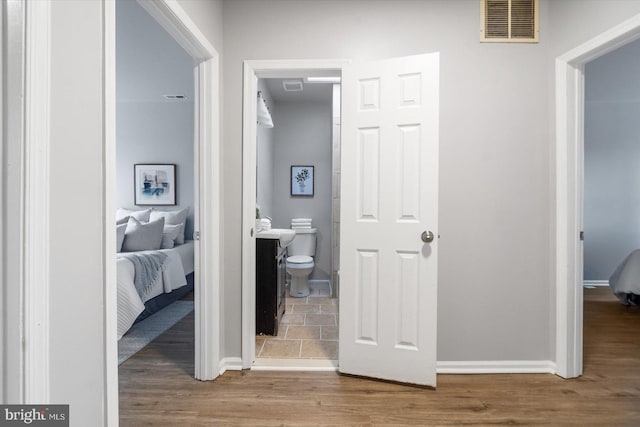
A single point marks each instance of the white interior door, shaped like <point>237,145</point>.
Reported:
<point>389,197</point>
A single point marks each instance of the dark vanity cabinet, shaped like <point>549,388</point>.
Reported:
<point>270,285</point>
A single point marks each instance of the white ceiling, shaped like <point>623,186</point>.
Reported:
<point>149,62</point>
<point>312,92</point>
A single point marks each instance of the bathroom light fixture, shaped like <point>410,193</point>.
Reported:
<point>334,79</point>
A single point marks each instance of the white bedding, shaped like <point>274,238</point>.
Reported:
<point>178,264</point>
<point>625,281</point>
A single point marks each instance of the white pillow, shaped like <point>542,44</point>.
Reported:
<point>180,237</point>
<point>172,218</point>
<point>120,229</point>
<point>141,215</point>
<point>141,236</point>
<point>169,235</point>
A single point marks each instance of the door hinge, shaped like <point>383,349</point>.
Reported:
<point>582,235</point>
<point>196,235</point>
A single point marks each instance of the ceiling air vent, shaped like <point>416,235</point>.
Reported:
<point>292,85</point>
<point>509,21</point>
<point>175,97</point>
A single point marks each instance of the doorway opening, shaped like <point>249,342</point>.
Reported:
<point>256,187</point>
<point>570,122</point>
<point>388,195</point>
<point>155,157</point>
<point>206,192</point>
<point>298,179</point>
<point>611,188</point>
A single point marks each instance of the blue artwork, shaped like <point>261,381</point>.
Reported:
<point>155,184</point>
<point>302,181</point>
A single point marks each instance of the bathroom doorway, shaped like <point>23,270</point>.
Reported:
<point>254,72</point>
<point>297,189</point>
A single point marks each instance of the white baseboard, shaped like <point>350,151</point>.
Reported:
<point>442,367</point>
<point>262,364</point>
<point>230,364</point>
<point>497,367</point>
<point>592,283</point>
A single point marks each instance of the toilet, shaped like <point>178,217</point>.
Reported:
<point>300,263</point>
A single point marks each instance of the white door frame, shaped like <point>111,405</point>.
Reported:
<point>25,215</point>
<point>177,23</point>
<point>569,189</point>
<point>253,70</point>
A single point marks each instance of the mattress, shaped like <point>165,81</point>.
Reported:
<point>625,280</point>
<point>186,252</point>
<point>179,263</point>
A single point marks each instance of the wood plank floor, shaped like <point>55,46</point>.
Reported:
<point>156,388</point>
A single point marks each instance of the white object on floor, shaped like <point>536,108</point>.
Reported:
<point>142,333</point>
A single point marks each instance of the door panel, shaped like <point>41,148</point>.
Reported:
<point>389,190</point>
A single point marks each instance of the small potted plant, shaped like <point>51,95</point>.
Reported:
<point>301,177</point>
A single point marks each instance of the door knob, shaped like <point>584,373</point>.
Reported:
<point>427,236</point>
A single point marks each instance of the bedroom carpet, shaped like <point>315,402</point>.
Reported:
<point>142,333</point>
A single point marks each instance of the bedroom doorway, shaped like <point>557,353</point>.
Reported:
<point>206,192</point>
<point>155,157</point>
<point>611,201</point>
<point>570,126</point>
<point>611,156</point>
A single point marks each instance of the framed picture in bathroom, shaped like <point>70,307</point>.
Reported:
<point>302,181</point>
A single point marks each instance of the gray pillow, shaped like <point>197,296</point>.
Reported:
<point>169,236</point>
<point>120,229</point>
<point>143,236</point>
<point>141,215</point>
<point>172,218</point>
<point>123,220</point>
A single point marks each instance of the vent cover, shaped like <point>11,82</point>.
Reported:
<point>175,97</point>
<point>509,21</point>
<point>292,85</point>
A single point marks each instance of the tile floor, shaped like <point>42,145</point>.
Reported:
<point>308,330</point>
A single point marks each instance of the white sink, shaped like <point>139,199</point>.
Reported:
<point>285,235</point>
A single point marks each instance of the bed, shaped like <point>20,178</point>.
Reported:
<point>625,280</point>
<point>154,262</point>
<point>173,282</point>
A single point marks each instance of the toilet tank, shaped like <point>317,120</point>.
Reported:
<point>304,243</point>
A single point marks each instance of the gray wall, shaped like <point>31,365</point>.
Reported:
<point>151,129</point>
<point>494,157</point>
<point>303,137</point>
<point>265,152</point>
<point>612,157</point>
<point>497,106</point>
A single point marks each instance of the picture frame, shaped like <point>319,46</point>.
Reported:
<point>302,180</point>
<point>154,184</point>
